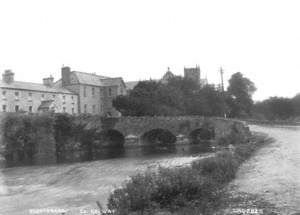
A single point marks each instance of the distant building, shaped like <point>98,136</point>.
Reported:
<point>28,97</point>
<point>131,84</point>
<point>95,92</point>
<point>167,76</point>
<point>193,73</point>
<point>75,93</point>
<point>203,82</point>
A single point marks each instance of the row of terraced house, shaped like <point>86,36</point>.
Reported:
<point>75,93</point>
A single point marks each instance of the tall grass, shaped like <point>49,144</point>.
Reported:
<point>194,189</point>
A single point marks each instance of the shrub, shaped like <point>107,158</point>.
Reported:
<point>169,188</point>
<point>194,189</point>
<point>22,134</point>
<point>134,196</point>
<point>221,168</point>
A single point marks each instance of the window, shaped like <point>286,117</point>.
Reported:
<point>73,111</point>
<point>3,93</point>
<point>17,108</point>
<point>30,96</point>
<point>64,97</point>
<point>16,93</point>
<point>30,109</point>
<point>53,96</point>
<point>93,91</point>
<point>43,96</point>
<point>4,108</point>
<point>109,91</point>
<point>84,91</point>
<point>94,108</point>
<point>72,97</point>
<point>85,108</point>
<point>64,109</point>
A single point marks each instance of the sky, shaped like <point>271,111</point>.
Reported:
<point>138,39</point>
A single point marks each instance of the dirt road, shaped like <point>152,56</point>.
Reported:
<point>274,172</point>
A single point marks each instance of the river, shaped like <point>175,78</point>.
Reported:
<point>273,173</point>
<point>77,186</point>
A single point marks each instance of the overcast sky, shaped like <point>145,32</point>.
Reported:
<point>139,39</point>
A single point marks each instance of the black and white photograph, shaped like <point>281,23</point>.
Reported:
<point>139,107</point>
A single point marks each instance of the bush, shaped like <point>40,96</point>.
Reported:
<point>22,134</point>
<point>221,168</point>
<point>167,188</point>
<point>233,138</point>
<point>194,189</point>
<point>174,188</point>
<point>134,196</point>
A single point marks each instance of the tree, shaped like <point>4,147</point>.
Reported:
<point>179,96</point>
<point>240,93</point>
<point>275,108</point>
<point>149,98</point>
<point>296,104</point>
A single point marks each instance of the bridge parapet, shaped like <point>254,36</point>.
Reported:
<point>178,126</point>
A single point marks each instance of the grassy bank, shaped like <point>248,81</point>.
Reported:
<point>195,189</point>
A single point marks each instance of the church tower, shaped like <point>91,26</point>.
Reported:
<point>193,73</point>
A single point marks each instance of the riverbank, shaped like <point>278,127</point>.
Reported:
<point>196,189</point>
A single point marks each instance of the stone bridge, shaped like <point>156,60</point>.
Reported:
<point>126,131</point>
<point>183,127</point>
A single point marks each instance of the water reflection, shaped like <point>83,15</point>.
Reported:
<point>119,152</point>
<point>138,151</point>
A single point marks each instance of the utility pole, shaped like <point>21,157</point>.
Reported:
<point>222,80</point>
<point>222,85</point>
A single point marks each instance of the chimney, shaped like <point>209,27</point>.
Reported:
<point>65,75</point>
<point>48,81</point>
<point>8,76</point>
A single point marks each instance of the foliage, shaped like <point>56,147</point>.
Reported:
<point>180,96</point>
<point>22,133</point>
<point>276,108</point>
<point>240,92</point>
<point>194,189</point>
<point>25,134</point>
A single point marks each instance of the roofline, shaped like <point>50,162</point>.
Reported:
<point>91,74</point>
<point>42,91</point>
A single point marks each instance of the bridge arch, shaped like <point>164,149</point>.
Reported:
<point>109,138</point>
<point>158,137</point>
<point>202,134</point>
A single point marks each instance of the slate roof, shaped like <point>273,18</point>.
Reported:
<point>19,85</point>
<point>95,80</point>
<point>89,78</point>
<point>112,81</point>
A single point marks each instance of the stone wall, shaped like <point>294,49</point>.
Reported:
<point>126,127</point>
<point>183,126</point>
